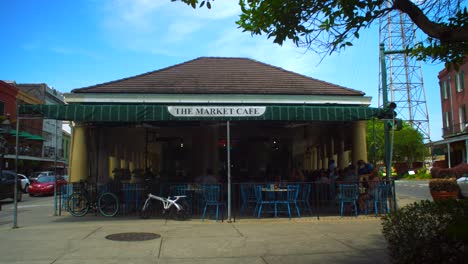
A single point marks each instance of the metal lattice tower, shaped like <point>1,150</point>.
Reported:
<point>404,75</point>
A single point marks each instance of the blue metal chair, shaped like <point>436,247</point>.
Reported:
<point>260,201</point>
<point>178,190</point>
<point>66,191</point>
<point>348,194</point>
<point>304,197</point>
<point>212,196</point>
<point>247,192</point>
<point>291,198</point>
<point>381,194</point>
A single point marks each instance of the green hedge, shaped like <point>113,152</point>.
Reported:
<point>423,232</point>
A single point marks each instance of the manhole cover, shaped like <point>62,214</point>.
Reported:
<point>133,236</point>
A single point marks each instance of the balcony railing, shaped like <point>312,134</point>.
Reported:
<point>455,129</point>
<point>33,152</point>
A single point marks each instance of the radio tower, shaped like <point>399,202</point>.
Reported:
<point>404,75</point>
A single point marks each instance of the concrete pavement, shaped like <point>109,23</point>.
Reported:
<point>66,239</point>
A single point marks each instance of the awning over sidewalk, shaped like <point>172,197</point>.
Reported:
<point>157,112</point>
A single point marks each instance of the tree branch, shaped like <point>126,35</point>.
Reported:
<point>438,31</point>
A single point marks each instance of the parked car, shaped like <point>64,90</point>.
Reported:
<point>40,174</point>
<point>44,185</point>
<point>24,182</point>
<point>7,186</point>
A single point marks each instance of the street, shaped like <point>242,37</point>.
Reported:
<point>409,191</point>
<point>30,209</point>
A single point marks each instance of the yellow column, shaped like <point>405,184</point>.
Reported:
<point>79,157</point>
<point>359,150</point>
<point>113,164</point>
<point>325,157</point>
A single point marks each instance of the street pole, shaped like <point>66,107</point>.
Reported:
<point>228,144</point>
<point>55,171</point>
<point>388,166</point>
<point>15,211</point>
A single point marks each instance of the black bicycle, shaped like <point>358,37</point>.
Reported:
<point>80,202</point>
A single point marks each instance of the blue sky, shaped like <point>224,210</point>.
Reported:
<point>73,44</point>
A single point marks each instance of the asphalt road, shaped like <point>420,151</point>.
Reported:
<point>409,191</point>
<point>42,206</point>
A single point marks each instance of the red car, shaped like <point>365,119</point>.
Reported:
<point>45,185</point>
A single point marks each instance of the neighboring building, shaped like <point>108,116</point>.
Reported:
<point>51,129</point>
<point>66,139</point>
<point>8,94</point>
<point>454,99</point>
<point>37,141</point>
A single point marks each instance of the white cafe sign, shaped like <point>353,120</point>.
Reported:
<point>213,111</point>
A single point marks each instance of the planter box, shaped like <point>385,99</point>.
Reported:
<point>463,183</point>
<point>443,195</point>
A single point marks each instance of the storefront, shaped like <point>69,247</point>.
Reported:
<point>241,119</point>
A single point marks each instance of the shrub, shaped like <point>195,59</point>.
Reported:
<point>449,185</point>
<point>421,174</point>
<point>421,232</point>
<point>456,171</point>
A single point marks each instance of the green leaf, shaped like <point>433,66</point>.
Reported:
<point>208,4</point>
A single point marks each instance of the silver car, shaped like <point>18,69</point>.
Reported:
<point>24,182</point>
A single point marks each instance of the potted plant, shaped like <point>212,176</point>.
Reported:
<point>442,189</point>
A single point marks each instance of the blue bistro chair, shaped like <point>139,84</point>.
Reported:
<point>291,198</point>
<point>348,193</point>
<point>66,191</point>
<point>212,194</point>
<point>247,192</point>
<point>304,197</point>
<point>381,194</point>
<point>260,201</point>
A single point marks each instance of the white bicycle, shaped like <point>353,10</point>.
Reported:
<point>173,206</point>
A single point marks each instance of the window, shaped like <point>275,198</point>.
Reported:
<point>462,114</point>
<point>2,108</point>
<point>447,120</point>
<point>445,87</point>
<point>459,81</point>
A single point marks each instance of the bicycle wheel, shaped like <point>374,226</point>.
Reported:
<point>147,209</point>
<point>183,213</point>
<point>78,204</point>
<point>108,204</point>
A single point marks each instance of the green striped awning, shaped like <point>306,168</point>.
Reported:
<point>157,112</point>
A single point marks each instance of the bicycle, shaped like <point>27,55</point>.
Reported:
<point>79,203</point>
<point>178,211</point>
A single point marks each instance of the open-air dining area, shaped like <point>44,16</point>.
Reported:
<point>237,137</point>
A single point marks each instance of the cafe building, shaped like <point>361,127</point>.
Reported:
<point>236,118</point>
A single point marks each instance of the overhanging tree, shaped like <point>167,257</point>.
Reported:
<point>326,26</point>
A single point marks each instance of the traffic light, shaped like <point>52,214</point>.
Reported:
<point>388,112</point>
<point>395,124</point>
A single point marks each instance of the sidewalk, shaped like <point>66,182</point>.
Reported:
<point>66,239</point>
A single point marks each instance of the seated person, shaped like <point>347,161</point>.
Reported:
<point>207,178</point>
<point>349,175</point>
<point>364,169</point>
<point>372,183</point>
<point>296,175</point>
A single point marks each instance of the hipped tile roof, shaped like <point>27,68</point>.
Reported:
<point>215,75</point>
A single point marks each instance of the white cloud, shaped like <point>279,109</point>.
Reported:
<point>153,26</point>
